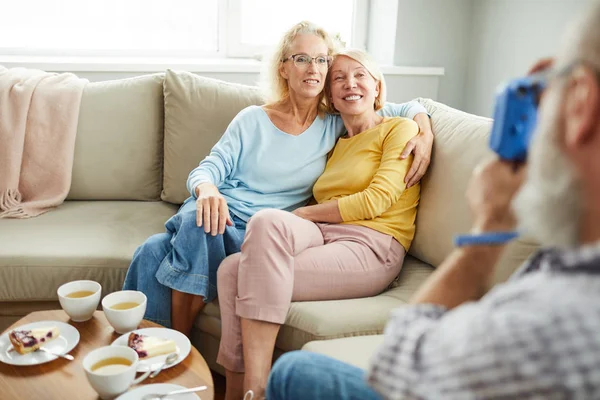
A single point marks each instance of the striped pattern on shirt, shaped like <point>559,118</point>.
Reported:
<point>535,337</point>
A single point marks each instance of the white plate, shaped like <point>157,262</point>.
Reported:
<point>68,339</point>
<point>183,346</point>
<point>157,388</point>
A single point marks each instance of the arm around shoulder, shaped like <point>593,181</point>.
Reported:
<point>408,110</point>
<point>387,184</point>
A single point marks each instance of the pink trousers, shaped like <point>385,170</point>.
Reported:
<point>285,258</point>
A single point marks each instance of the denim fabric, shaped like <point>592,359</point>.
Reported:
<point>300,375</point>
<point>184,258</point>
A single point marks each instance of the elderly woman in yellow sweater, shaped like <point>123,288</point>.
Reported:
<point>349,245</point>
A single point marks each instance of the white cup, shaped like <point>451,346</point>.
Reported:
<point>82,308</point>
<point>111,384</point>
<point>124,321</point>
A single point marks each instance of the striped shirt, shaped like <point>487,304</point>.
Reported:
<point>536,336</point>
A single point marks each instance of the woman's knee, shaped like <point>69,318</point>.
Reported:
<point>185,231</point>
<point>267,220</point>
<point>187,218</point>
<point>157,246</point>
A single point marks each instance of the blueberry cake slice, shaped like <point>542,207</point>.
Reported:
<point>150,346</point>
<point>26,341</point>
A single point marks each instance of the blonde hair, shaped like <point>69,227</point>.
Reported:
<point>275,86</point>
<point>370,65</point>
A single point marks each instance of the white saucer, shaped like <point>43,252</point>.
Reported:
<point>183,346</point>
<point>157,388</point>
<point>68,339</point>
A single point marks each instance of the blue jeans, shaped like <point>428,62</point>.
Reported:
<point>185,258</point>
<point>300,375</point>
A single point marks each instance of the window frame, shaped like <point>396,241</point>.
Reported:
<point>235,49</point>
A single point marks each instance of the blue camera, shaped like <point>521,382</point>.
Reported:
<point>515,117</point>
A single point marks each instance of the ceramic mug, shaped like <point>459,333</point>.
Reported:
<point>111,370</point>
<point>127,319</point>
<point>82,307</point>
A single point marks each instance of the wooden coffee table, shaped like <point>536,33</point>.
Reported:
<point>63,379</point>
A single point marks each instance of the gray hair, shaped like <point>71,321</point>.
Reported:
<point>582,40</point>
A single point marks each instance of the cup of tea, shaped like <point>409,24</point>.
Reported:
<point>111,370</point>
<point>124,310</point>
<point>79,299</point>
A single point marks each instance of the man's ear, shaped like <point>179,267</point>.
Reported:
<point>581,107</point>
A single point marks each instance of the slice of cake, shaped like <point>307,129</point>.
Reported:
<point>26,341</point>
<point>150,346</point>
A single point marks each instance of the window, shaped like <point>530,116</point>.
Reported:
<point>110,27</point>
<point>167,28</point>
<point>257,24</point>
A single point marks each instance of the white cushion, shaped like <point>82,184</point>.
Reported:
<point>461,143</point>
<point>197,112</point>
<point>355,351</point>
<point>78,240</point>
<point>119,143</point>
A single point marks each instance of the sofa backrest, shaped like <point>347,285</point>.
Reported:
<point>197,113</point>
<point>120,151</point>
<point>119,143</point>
<point>461,143</point>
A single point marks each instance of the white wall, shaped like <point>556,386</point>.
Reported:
<point>381,36</point>
<point>507,37</point>
<point>479,43</point>
<point>436,33</point>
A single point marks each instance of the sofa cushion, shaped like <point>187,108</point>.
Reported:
<point>355,351</point>
<point>319,320</point>
<point>78,240</point>
<point>461,143</point>
<point>119,143</point>
<point>197,112</point>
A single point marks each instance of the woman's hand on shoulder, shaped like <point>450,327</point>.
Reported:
<point>421,146</point>
<point>212,211</point>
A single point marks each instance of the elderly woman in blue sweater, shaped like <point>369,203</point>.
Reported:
<point>269,157</point>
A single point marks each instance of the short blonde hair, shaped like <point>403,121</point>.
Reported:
<point>275,87</point>
<point>370,65</point>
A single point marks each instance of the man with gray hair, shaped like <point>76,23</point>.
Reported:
<point>536,336</point>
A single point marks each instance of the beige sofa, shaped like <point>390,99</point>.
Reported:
<point>137,140</point>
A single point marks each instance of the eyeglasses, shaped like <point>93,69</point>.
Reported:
<point>304,60</point>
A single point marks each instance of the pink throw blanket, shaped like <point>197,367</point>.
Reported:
<point>38,124</point>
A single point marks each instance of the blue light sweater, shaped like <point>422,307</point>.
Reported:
<point>255,165</point>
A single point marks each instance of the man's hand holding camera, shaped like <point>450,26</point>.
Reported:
<point>490,193</point>
<point>466,274</point>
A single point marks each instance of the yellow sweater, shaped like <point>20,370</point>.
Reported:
<point>366,175</point>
